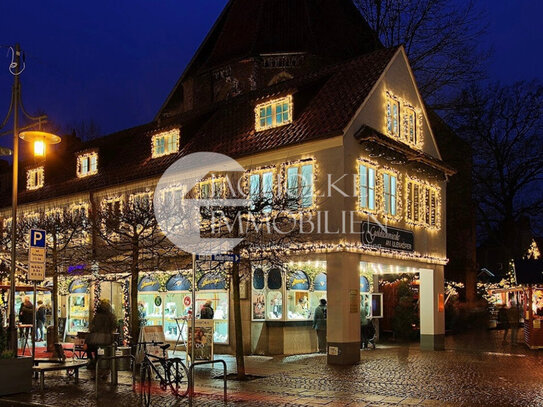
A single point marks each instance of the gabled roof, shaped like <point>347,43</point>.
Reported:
<point>324,103</point>
<point>332,29</point>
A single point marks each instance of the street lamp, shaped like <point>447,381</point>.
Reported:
<point>40,140</point>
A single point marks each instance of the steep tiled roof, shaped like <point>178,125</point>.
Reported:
<point>324,103</point>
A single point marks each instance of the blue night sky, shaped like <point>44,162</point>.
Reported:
<point>115,62</point>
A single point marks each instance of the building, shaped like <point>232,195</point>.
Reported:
<point>305,90</point>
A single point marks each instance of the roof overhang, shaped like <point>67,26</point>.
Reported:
<point>397,153</point>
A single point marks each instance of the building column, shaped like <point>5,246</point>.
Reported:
<point>432,309</point>
<point>343,321</point>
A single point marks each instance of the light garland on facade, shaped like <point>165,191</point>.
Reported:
<point>402,127</point>
<point>321,247</point>
<point>428,204</point>
<point>126,310</point>
<point>533,251</point>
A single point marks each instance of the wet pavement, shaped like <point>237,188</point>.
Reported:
<point>474,370</point>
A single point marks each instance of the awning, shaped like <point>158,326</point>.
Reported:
<point>24,287</point>
<point>529,272</point>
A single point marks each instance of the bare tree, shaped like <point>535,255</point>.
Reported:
<point>130,241</point>
<point>268,225</point>
<point>504,124</point>
<point>68,243</point>
<point>442,40</point>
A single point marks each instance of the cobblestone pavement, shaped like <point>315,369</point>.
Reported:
<point>475,370</point>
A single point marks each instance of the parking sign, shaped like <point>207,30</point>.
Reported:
<point>37,255</point>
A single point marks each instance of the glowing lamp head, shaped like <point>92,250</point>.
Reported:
<point>39,139</point>
<point>39,148</point>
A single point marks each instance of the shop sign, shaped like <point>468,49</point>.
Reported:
<point>187,301</point>
<point>386,237</point>
<point>178,283</point>
<point>364,285</point>
<point>148,284</point>
<point>298,281</point>
<point>77,269</point>
<point>212,281</point>
<point>78,287</point>
<point>320,282</point>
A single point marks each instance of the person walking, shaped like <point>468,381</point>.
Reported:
<point>207,311</point>
<point>319,324</point>
<point>503,319</point>
<point>513,315</point>
<point>26,317</point>
<point>40,320</point>
<point>101,330</point>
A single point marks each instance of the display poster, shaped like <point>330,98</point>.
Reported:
<point>149,334</point>
<point>203,342</point>
<point>259,305</point>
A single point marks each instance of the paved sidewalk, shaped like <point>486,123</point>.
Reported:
<point>475,370</point>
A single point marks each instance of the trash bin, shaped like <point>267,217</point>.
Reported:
<point>50,343</point>
<point>123,364</point>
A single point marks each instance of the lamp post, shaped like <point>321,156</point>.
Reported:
<point>40,139</point>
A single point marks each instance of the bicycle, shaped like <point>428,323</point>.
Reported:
<point>170,372</point>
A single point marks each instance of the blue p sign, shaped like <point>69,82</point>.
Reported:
<point>37,238</point>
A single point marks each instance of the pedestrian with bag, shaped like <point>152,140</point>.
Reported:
<point>319,324</point>
<point>101,330</point>
<point>207,311</point>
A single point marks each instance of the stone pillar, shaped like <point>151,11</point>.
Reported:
<point>343,324</point>
<point>432,309</point>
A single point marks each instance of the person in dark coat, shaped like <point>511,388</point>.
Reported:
<point>40,320</point>
<point>26,316</point>
<point>503,319</point>
<point>207,311</point>
<point>101,330</point>
<point>319,324</point>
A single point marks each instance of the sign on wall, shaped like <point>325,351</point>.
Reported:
<point>212,281</point>
<point>298,281</point>
<point>386,237</point>
<point>148,284</point>
<point>178,282</point>
<point>320,282</point>
<point>78,287</point>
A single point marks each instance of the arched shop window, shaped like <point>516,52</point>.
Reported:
<point>150,301</point>
<point>301,293</point>
<point>274,297</point>
<point>298,296</point>
<point>258,279</point>
<point>212,287</point>
<point>78,307</point>
<point>364,284</point>
<point>259,302</point>
<point>177,302</point>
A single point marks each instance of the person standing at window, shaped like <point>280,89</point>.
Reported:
<point>319,324</point>
<point>207,311</point>
<point>40,321</point>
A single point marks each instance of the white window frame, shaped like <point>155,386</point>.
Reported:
<point>273,114</point>
<point>370,190</point>
<point>87,164</point>
<point>170,143</point>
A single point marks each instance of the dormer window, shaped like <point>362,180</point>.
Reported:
<point>273,113</point>
<point>165,143</point>
<point>34,178</point>
<point>87,164</point>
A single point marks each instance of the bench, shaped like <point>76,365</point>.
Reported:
<point>56,367</point>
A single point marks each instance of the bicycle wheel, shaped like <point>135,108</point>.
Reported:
<point>145,385</point>
<point>177,376</point>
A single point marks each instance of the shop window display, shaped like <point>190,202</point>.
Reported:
<point>78,307</point>
<point>298,296</point>
<point>150,301</point>
<point>176,305</point>
<point>212,287</point>
<point>319,291</point>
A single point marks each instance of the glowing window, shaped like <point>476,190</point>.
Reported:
<point>389,191</point>
<point>367,187</point>
<point>87,164</point>
<point>34,178</point>
<point>165,143</point>
<point>274,113</point>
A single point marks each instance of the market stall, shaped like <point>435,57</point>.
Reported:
<point>529,273</point>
